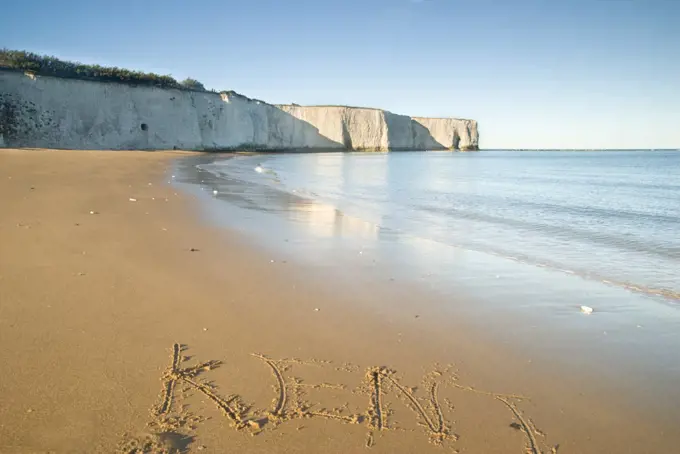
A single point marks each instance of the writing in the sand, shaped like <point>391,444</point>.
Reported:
<point>377,384</point>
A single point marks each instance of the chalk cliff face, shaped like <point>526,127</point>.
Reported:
<point>450,133</point>
<point>49,112</point>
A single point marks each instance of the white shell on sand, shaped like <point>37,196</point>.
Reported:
<point>586,310</point>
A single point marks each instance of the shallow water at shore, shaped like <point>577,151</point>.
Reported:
<point>606,216</point>
<point>514,243</point>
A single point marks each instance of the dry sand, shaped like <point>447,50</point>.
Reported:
<point>130,326</point>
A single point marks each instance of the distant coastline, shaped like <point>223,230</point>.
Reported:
<point>581,149</point>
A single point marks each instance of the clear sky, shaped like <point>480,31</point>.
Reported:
<point>534,73</point>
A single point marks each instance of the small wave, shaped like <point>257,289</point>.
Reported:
<point>563,231</point>
<point>636,288</point>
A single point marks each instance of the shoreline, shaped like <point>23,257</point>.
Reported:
<point>94,304</point>
<point>625,351</point>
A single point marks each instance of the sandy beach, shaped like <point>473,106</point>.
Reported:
<point>128,324</point>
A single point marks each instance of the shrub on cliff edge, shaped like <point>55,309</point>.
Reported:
<point>192,84</point>
<point>52,66</point>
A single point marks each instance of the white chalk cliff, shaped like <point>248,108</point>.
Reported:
<point>51,112</point>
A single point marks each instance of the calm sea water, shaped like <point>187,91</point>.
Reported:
<point>611,217</point>
<point>513,242</point>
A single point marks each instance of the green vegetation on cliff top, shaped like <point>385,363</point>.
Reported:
<point>45,65</point>
<point>52,66</point>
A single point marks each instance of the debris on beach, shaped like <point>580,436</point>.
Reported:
<point>215,192</point>
<point>94,212</point>
<point>259,169</point>
<point>316,309</point>
<point>132,200</point>
<point>587,310</point>
<point>193,249</point>
<point>255,424</point>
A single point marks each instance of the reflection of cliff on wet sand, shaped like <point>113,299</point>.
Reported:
<point>326,221</point>
<point>317,218</point>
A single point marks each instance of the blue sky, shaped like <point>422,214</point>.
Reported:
<point>534,73</point>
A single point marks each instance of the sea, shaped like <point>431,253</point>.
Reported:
<point>519,243</point>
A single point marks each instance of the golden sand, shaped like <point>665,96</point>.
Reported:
<point>127,325</point>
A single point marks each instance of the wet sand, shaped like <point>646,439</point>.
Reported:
<point>128,325</point>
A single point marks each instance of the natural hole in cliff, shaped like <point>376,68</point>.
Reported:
<point>145,127</point>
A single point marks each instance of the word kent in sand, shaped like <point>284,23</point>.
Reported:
<point>172,427</point>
